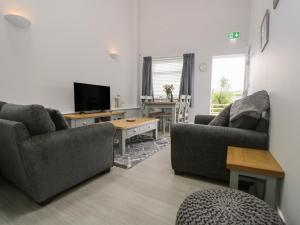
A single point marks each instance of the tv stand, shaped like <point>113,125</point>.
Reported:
<point>93,112</point>
<point>84,119</point>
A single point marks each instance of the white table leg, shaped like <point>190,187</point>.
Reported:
<point>155,133</point>
<point>234,179</point>
<point>122,141</point>
<point>270,191</point>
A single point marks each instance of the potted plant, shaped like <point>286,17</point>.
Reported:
<point>169,91</point>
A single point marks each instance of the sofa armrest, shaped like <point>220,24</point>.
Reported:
<point>12,129</point>
<point>203,119</point>
<point>202,149</point>
<point>61,159</point>
<point>12,133</point>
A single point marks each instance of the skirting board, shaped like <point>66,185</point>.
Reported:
<point>280,213</point>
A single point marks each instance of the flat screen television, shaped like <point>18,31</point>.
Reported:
<point>90,97</point>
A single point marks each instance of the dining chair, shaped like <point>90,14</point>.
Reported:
<point>187,108</point>
<point>181,108</point>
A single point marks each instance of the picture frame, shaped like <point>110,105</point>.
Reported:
<point>264,31</point>
<point>275,3</point>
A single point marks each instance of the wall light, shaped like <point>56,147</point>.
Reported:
<point>17,20</point>
<point>114,54</point>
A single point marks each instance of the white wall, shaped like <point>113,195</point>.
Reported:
<point>68,41</point>
<point>277,70</point>
<point>174,27</point>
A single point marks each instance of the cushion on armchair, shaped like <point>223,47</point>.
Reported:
<point>58,119</point>
<point>222,119</point>
<point>247,112</point>
<point>34,117</point>
<point>264,122</point>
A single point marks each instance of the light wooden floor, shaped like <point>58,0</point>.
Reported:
<point>147,194</point>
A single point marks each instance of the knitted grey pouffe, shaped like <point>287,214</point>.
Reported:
<point>224,207</point>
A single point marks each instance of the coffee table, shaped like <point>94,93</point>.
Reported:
<point>139,126</point>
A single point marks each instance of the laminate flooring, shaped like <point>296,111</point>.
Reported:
<point>147,194</point>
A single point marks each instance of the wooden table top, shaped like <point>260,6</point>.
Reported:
<point>253,161</point>
<point>124,124</point>
<point>76,116</point>
<point>160,103</point>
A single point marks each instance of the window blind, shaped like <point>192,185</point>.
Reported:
<point>166,71</point>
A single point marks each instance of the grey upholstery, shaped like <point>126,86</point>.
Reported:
<point>2,104</point>
<point>58,119</point>
<point>246,112</point>
<point>201,149</point>
<point>263,123</point>
<point>45,165</point>
<point>222,119</point>
<point>35,117</point>
<point>203,119</point>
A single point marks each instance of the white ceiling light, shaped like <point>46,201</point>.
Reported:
<point>17,20</point>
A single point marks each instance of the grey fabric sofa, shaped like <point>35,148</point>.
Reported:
<point>201,149</point>
<point>43,165</point>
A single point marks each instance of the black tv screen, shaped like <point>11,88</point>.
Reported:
<point>90,97</point>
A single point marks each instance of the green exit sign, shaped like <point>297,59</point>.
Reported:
<point>234,35</point>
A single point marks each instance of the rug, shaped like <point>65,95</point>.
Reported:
<point>139,148</point>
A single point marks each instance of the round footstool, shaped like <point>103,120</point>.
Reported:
<point>224,207</point>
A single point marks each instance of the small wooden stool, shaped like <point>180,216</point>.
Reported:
<point>254,163</point>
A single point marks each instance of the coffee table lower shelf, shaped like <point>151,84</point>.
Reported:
<point>255,163</point>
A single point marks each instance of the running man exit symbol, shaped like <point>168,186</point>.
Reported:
<point>234,35</point>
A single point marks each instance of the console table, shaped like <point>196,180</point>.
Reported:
<point>254,163</point>
<point>79,120</point>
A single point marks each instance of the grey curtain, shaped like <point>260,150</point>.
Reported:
<point>147,85</point>
<point>187,74</point>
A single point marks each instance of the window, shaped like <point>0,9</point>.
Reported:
<point>228,77</point>
<point>166,71</point>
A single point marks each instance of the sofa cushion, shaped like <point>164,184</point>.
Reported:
<point>246,112</point>
<point>222,119</point>
<point>58,119</point>
<point>34,117</point>
<point>2,104</point>
<point>263,123</point>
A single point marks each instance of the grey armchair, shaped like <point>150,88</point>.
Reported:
<point>46,164</point>
<point>201,150</point>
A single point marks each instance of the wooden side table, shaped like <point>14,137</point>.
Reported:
<point>254,163</point>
